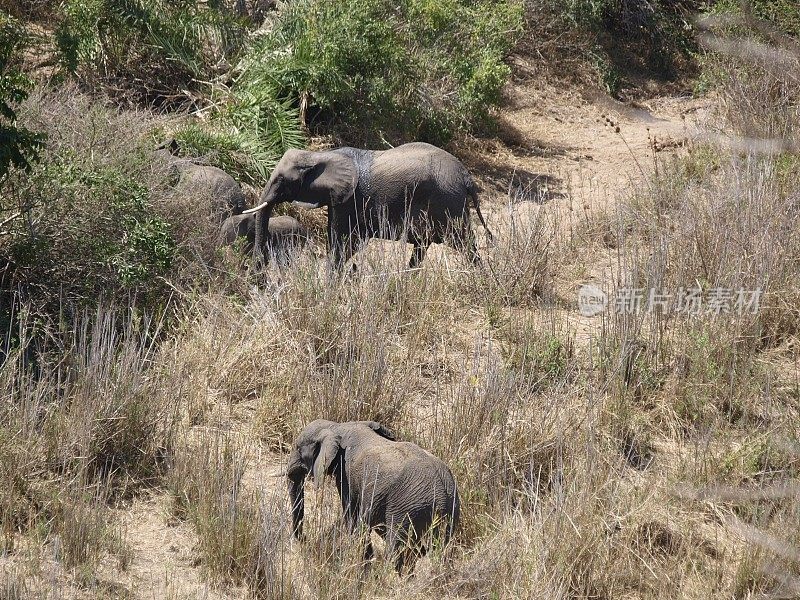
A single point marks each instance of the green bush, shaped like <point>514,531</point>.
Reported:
<point>18,145</point>
<point>246,135</point>
<point>155,47</point>
<point>421,69</point>
<point>95,217</point>
<point>95,233</point>
<point>624,40</point>
<point>782,14</point>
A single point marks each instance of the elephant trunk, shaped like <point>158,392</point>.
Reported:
<point>262,234</point>
<point>296,472</point>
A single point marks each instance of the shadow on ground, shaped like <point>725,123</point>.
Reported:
<point>515,183</point>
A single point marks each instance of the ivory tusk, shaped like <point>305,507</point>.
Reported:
<point>250,211</point>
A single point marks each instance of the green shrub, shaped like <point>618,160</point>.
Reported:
<point>624,40</point>
<point>95,232</point>
<point>782,14</point>
<point>422,69</point>
<point>18,145</point>
<point>152,47</point>
<point>246,135</point>
<point>94,214</point>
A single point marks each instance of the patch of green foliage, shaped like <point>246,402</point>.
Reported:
<point>18,145</point>
<point>542,356</point>
<point>782,14</point>
<point>418,69</point>
<point>158,45</point>
<point>246,135</point>
<point>96,233</point>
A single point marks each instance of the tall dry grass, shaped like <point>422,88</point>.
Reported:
<point>580,464</point>
<point>85,423</point>
<point>643,455</point>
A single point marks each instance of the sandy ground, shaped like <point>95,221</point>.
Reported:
<point>577,152</point>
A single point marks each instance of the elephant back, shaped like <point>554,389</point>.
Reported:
<point>424,487</point>
<point>224,192</point>
<point>285,225</point>
<point>411,464</point>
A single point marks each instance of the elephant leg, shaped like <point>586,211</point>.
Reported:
<point>369,551</point>
<point>363,533</point>
<point>343,250</point>
<point>401,547</point>
<point>471,251</point>
<point>369,555</point>
<point>261,238</point>
<point>405,557</point>
<point>421,234</point>
<point>343,239</point>
<point>417,255</point>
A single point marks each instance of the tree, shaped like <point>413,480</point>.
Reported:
<point>19,146</point>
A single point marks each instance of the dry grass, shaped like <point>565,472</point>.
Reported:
<point>656,456</point>
<point>242,537</point>
<point>573,460</point>
<point>568,457</point>
<point>85,423</point>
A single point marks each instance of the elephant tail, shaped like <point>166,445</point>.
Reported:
<point>473,194</point>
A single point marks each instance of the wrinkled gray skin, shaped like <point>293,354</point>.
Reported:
<point>396,488</point>
<point>204,181</point>
<point>226,196</point>
<point>414,192</point>
<point>285,235</point>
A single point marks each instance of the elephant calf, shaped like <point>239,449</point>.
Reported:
<point>224,192</point>
<point>284,235</point>
<point>396,488</point>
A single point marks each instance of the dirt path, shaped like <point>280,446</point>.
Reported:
<point>577,153</point>
<point>580,147</point>
<point>165,558</point>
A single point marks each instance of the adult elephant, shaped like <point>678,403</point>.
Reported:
<point>199,181</point>
<point>395,488</point>
<point>414,192</point>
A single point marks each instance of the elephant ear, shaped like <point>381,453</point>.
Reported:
<point>334,178</point>
<point>329,447</point>
<point>380,430</point>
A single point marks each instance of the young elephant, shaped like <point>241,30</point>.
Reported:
<point>205,181</point>
<point>284,235</point>
<point>396,488</point>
